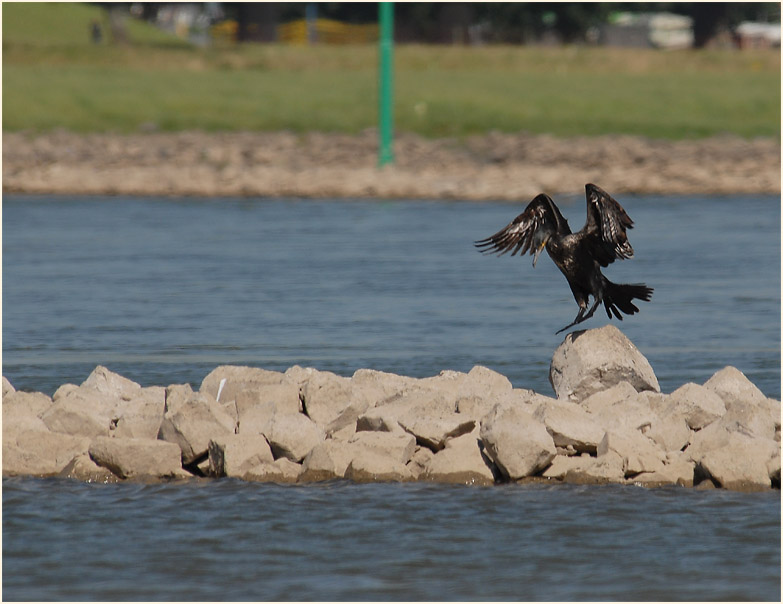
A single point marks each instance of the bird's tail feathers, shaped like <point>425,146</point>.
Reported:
<point>619,298</point>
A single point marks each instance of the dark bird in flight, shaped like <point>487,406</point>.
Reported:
<point>579,256</point>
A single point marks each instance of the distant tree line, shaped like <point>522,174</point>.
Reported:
<point>508,22</point>
<point>498,22</point>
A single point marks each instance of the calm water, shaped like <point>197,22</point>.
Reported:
<point>162,291</point>
<point>233,541</point>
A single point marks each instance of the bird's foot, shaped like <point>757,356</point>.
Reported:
<point>576,321</point>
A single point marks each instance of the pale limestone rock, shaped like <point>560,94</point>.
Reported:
<point>110,384</point>
<point>381,385</point>
<point>731,385</point>
<point>699,406</point>
<point>570,425</point>
<point>434,432</point>
<point>280,471</point>
<point>753,419</point>
<point>485,382</point>
<point>344,427</point>
<point>373,467</point>
<point>670,432</point>
<point>517,443</point>
<point>604,400</point>
<point>136,457</point>
<point>742,464</point>
<point>39,453</point>
<point>63,391</point>
<point>677,470</point>
<point>633,414</point>
<point>604,469</point>
<point>461,462</point>
<point>22,411</point>
<point>177,395</point>
<point>562,464</point>
<point>637,452</point>
<point>142,415</point>
<point>710,438</point>
<point>596,359</point>
<point>281,398</point>
<point>7,387</point>
<point>328,459</point>
<point>83,468</point>
<point>414,404</point>
<point>237,378</point>
<point>192,424</point>
<point>396,446</point>
<point>292,435</point>
<point>233,455</point>
<point>418,463</point>
<point>325,396</point>
<point>83,412</point>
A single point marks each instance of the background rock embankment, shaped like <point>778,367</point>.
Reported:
<point>282,164</point>
<point>609,423</point>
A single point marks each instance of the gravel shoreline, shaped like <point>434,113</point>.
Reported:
<point>283,164</point>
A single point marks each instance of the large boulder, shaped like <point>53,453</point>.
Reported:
<point>373,467</point>
<point>233,455</point>
<point>606,468</point>
<point>256,407</point>
<point>40,453</point>
<point>328,459</point>
<point>136,457</point>
<point>22,411</point>
<point>699,406</point>
<point>110,384</point>
<point>517,443</point>
<point>237,378</point>
<point>142,415</point>
<point>462,461</point>
<point>570,425</point>
<point>638,453</point>
<point>594,360</point>
<point>192,424</point>
<point>396,446</point>
<point>731,385</point>
<point>83,412</point>
<point>670,432</point>
<point>743,464</point>
<point>325,396</point>
<point>292,436</point>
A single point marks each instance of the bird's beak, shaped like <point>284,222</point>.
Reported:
<point>538,251</point>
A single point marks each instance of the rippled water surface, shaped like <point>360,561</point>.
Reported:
<point>229,540</point>
<point>163,291</point>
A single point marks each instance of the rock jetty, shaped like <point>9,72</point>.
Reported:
<point>609,423</point>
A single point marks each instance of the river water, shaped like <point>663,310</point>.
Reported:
<point>163,291</point>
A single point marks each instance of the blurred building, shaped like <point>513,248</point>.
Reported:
<point>750,34</point>
<point>647,30</point>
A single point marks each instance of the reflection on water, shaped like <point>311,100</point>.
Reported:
<point>163,291</point>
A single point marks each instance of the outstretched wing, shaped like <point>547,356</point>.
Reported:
<point>527,231</point>
<point>606,225</point>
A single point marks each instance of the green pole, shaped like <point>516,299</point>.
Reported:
<point>385,83</point>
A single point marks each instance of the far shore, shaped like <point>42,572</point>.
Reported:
<point>494,166</point>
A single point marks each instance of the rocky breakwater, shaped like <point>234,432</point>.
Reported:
<point>609,424</point>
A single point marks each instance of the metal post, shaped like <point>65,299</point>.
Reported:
<point>385,83</point>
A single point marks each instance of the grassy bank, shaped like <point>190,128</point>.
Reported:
<point>53,77</point>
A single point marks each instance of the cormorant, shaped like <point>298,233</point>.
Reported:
<point>579,256</point>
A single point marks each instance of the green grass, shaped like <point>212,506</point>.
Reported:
<point>53,77</point>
